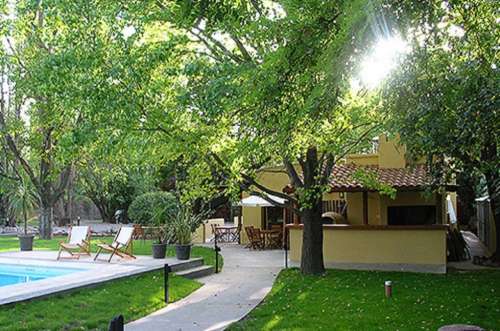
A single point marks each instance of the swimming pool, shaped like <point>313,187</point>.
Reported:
<point>14,273</point>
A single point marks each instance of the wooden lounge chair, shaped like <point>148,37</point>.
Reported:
<point>121,245</point>
<point>78,243</point>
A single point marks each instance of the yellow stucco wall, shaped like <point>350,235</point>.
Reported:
<point>355,208</point>
<point>251,216</point>
<point>273,180</point>
<point>416,250</point>
<point>362,159</point>
<point>391,154</point>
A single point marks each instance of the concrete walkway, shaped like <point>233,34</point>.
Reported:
<point>225,298</point>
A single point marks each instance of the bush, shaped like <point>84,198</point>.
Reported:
<point>146,207</point>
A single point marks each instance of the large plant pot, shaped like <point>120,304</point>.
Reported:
<point>159,251</point>
<point>183,252</point>
<point>26,242</point>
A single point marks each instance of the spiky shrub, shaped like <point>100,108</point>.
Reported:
<point>184,224</point>
<point>22,199</point>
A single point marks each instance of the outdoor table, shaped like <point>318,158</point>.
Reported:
<point>268,237</point>
<point>228,231</point>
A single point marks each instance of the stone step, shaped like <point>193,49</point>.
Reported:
<point>188,264</point>
<point>197,272</point>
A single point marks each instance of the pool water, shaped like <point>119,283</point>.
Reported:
<point>14,273</point>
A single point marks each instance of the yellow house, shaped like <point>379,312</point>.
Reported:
<point>374,231</point>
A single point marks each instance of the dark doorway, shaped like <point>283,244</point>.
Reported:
<point>411,215</point>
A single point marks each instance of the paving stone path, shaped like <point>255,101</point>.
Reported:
<point>225,298</point>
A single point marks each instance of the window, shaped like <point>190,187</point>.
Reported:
<point>411,215</point>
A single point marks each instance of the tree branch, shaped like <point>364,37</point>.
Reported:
<point>292,173</point>
<point>253,182</point>
<point>17,154</point>
<point>242,49</point>
<point>266,197</point>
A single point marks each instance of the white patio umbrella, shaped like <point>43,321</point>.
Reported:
<point>451,210</point>
<point>256,201</point>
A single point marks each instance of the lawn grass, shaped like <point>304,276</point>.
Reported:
<point>141,247</point>
<point>355,300</point>
<point>92,309</point>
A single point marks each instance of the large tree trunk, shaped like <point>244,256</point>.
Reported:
<point>312,241</point>
<point>311,206</point>
<point>492,175</point>
<point>45,221</point>
<point>105,211</point>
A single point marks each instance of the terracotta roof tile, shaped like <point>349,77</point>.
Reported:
<point>399,178</point>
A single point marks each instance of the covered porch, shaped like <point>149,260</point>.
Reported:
<point>404,233</point>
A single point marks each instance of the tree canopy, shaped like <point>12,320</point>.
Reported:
<point>444,98</point>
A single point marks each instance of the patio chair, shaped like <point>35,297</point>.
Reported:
<point>255,238</point>
<point>248,231</point>
<point>275,238</point>
<point>218,234</point>
<point>138,232</point>
<point>78,243</point>
<point>235,235</point>
<point>121,245</point>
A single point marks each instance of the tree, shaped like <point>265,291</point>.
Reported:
<point>33,120</point>
<point>113,188</point>
<point>58,63</point>
<point>444,100</point>
<point>269,86</point>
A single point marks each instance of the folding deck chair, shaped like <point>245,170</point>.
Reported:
<point>121,245</point>
<point>78,243</point>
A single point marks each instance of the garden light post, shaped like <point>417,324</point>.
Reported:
<point>166,271</point>
<point>388,288</point>
<point>217,250</point>
<point>116,324</point>
<point>285,247</point>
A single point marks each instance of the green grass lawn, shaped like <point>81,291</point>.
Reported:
<point>141,247</point>
<point>355,300</point>
<point>92,309</point>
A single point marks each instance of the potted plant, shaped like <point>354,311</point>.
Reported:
<point>183,226</point>
<point>159,248</point>
<point>152,209</point>
<point>21,199</point>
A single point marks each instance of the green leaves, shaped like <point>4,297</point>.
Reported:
<point>370,180</point>
<point>443,100</point>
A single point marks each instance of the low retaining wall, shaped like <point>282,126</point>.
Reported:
<point>378,247</point>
